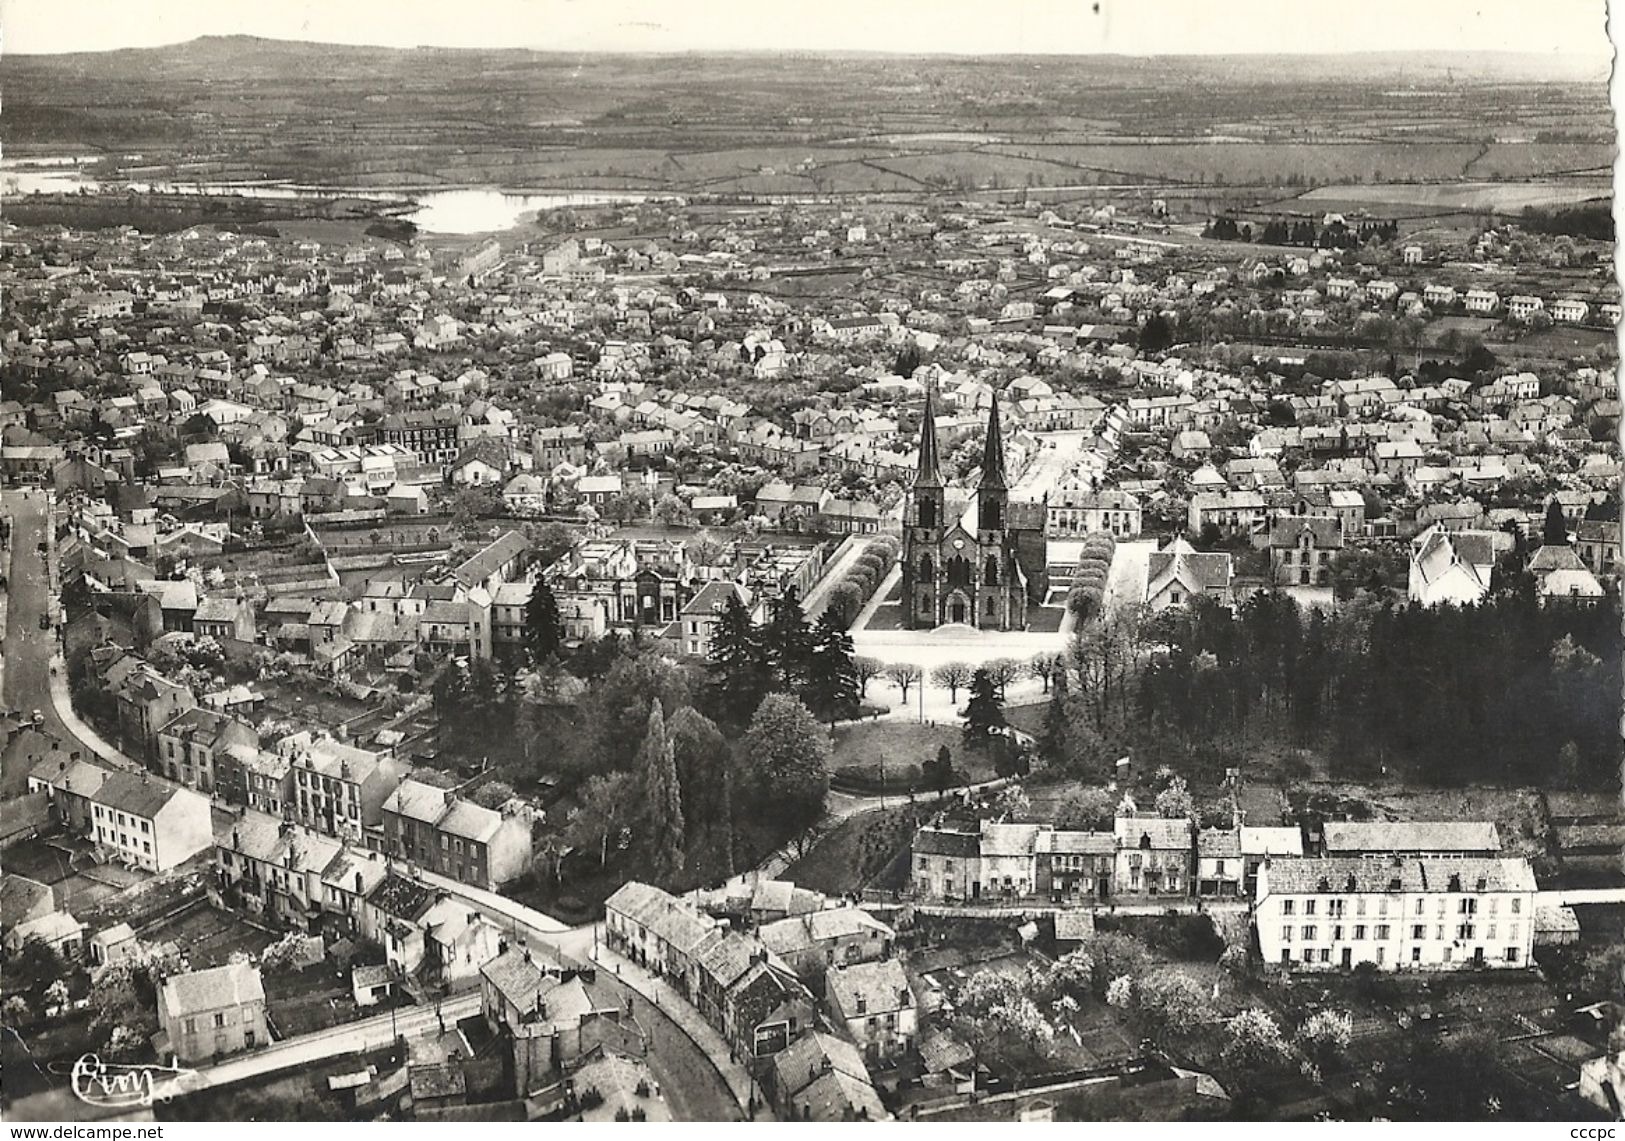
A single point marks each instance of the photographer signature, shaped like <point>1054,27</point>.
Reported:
<point>117,1086</point>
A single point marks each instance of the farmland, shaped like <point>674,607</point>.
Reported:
<point>747,125</point>
<point>1505,197</point>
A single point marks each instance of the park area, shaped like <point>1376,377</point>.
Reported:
<point>894,754</point>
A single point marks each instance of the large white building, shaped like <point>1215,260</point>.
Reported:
<point>1398,913</point>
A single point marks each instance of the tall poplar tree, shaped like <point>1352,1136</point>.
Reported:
<point>662,799</point>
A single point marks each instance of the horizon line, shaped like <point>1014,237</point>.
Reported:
<point>1601,55</point>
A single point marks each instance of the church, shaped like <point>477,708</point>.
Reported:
<point>979,564</point>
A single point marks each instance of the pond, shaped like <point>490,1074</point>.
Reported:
<point>469,210</point>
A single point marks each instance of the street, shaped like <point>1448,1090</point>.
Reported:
<point>352,1038</point>
<point>28,648</point>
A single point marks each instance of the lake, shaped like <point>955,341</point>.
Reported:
<point>471,210</point>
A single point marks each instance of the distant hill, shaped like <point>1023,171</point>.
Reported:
<point>250,56</point>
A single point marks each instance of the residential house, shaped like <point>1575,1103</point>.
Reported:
<point>438,830</point>
<point>1302,549</point>
<point>659,932</point>
<point>947,863</point>
<point>833,937</point>
<point>69,782</point>
<point>338,789</point>
<point>203,1015</point>
<point>189,745</point>
<point>1264,843</point>
<point>1154,856</point>
<point>149,824</point>
<point>875,1007</point>
<point>1074,868</point>
<point>1396,913</point>
<point>1451,568</point>
<point>1220,868</point>
<point>1179,573</point>
<point>702,613</point>
<point>1562,577</point>
<point>822,1078</point>
<point>223,618</point>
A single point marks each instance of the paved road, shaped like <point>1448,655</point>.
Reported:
<point>351,1038</point>
<point>1126,582</point>
<point>28,648</point>
<point>834,574</point>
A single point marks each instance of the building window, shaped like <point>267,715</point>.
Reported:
<point>1288,906</point>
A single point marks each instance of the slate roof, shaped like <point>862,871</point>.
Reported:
<point>827,1075</point>
<point>942,842</point>
<point>1271,841</point>
<point>1069,843</point>
<point>787,936</point>
<point>1164,834</point>
<point>882,986</point>
<point>481,566</point>
<point>668,918</point>
<point>1008,839</point>
<point>20,895</point>
<point>137,795</point>
<point>1319,875</point>
<point>1380,837</point>
<point>219,988</point>
<point>1287,531</point>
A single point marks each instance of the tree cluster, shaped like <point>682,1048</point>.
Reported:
<point>1516,682</point>
<point>785,654</point>
<point>858,587</point>
<point>1089,582</point>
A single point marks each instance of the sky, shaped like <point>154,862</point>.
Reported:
<point>1134,27</point>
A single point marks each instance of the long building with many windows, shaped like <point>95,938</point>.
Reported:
<point>1400,913</point>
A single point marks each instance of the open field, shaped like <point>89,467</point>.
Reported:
<point>236,107</point>
<point>1500,197</point>
<point>891,750</point>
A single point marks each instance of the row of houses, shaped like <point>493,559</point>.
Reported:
<point>812,998</point>
<point>1425,895</point>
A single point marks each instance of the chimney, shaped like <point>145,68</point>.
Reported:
<point>236,840</point>
<point>451,798</point>
<point>358,883</point>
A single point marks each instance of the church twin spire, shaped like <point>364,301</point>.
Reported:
<point>929,473</point>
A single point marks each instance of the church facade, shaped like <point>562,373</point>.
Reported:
<point>982,566</point>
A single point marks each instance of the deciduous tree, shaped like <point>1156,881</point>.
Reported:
<point>952,676</point>
<point>786,757</point>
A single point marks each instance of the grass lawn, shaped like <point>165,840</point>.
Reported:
<point>889,748</point>
<point>886,616</point>
<point>859,848</point>
<point>1045,619</point>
